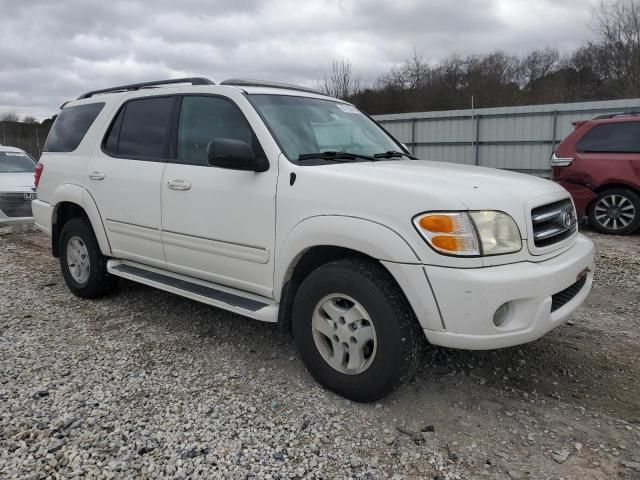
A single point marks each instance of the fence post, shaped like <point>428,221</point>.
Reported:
<point>477,150</point>
<point>413,136</point>
<point>554,132</point>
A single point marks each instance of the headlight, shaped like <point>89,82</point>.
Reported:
<point>497,231</point>
<point>469,233</point>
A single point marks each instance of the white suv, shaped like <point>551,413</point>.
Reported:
<point>285,205</point>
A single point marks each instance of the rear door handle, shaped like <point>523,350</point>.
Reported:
<point>96,175</point>
<point>179,184</point>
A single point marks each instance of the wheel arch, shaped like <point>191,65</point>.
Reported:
<point>72,201</point>
<point>313,243</point>
<point>609,186</point>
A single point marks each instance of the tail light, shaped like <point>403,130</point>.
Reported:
<point>37,174</point>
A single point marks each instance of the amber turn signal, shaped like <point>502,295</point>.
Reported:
<point>437,223</point>
<point>446,242</point>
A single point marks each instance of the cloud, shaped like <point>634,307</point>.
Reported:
<point>51,52</point>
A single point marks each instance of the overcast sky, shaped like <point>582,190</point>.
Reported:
<point>54,50</point>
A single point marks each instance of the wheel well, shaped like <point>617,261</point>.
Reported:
<point>609,186</point>
<point>308,261</point>
<point>64,212</point>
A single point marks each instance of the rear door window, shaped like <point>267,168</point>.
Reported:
<point>612,138</point>
<point>140,129</point>
<point>71,126</point>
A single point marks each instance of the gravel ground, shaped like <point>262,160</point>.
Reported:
<point>145,384</point>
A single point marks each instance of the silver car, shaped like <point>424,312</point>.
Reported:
<point>16,186</point>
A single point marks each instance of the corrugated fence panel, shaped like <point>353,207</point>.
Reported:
<point>400,130</point>
<point>454,154</point>
<point>513,138</point>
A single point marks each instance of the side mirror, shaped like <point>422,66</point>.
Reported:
<point>234,155</point>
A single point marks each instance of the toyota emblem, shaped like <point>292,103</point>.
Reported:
<point>567,219</point>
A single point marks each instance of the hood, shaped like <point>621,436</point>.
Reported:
<point>16,182</point>
<point>473,186</point>
<point>426,185</point>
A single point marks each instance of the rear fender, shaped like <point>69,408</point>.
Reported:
<point>72,193</point>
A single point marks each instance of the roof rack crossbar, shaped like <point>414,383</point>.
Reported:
<point>138,86</point>
<point>245,82</point>
<point>617,114</point>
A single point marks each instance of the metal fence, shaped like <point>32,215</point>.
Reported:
<point>30,137</point>
<point>513,138</point>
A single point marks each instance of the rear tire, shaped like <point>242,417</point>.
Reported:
<point>355,331</point>
<point>84,268</point>
<point>615,211</point>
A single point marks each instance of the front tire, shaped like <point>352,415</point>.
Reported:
<point>615,211</point>
<point>83,266</point>
<point>355,331</point>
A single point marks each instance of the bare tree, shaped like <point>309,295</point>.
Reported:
<point>537,64</point>
<point>29,119</point>
<point>340,82</point>
<point>618,23</point>
<point>412,75</point>
<point>9,117</point>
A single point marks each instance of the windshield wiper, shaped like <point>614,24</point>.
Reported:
<point>337,156</point>
<point>393,154</point>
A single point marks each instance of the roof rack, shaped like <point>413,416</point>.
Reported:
<point>245,82</point>
<point>617,114</point>
<point>138,86</point>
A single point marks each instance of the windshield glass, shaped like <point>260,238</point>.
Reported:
<point>305,125</point>
<point>15,162</point>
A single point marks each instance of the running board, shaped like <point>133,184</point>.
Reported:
<point>237,301</point>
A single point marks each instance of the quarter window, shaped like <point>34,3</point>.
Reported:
<point>203,119</point>
<point>140,129</point>
<point>613,138</point>
<point>71,126</point>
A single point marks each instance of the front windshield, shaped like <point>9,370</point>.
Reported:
<point>16,162</point>
<point>305,125</point>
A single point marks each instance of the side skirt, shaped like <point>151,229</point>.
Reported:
<point>237,301</point>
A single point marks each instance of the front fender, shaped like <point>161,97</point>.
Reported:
<point>364,236</point>
<point>72,193</point>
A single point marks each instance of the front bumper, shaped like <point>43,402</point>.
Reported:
<point>468,298</point>
<point>4,220</point>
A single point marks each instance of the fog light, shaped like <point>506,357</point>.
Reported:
<point>501,315</point>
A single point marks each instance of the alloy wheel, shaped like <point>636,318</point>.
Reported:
<point>344,334</point>
<point>614,212</point>
<point>78,260</point>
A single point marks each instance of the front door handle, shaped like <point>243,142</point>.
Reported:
<point>179,184</point>
<point>96,175</point>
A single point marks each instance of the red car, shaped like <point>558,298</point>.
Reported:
<point>599,164</point>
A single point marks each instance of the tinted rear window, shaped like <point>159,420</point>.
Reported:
<point>71,126</point>
<point>140,129</point>
<point>612,137</point>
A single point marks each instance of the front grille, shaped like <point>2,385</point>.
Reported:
<point>15,204</point>
<point>553,223</point>
<point>563,297</point>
